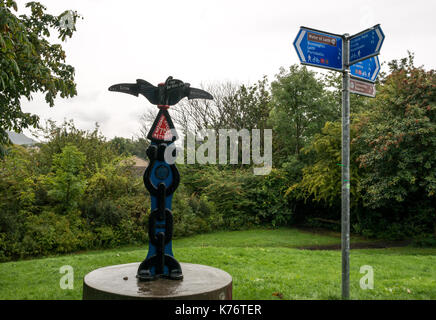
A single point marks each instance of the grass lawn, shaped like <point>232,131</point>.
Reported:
<point>264,264</point>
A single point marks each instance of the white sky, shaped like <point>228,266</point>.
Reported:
<point>204,41</point>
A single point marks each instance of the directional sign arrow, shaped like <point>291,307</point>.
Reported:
<point>366,44</point>
<point>366,69</point>
<point>319,49</point>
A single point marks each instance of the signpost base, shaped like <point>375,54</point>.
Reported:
<point>119,282</point>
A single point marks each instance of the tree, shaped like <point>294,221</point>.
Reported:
<point>249,107</point>
<point>398,140</point>
<point>30,63</point>
<point>321,178</point>
<point>92,143</point>
<point>17,198</point>
<point>68,182</point>
<point>197,114</point>
<point>234,107</point>
<point>397,145</point>
<point>124,146</point>
<point>300,107</point>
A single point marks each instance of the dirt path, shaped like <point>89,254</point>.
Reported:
<point>362,245</point>
<point>378,244</point>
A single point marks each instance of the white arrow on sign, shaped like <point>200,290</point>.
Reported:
<point>380,39</point>
<point>363,45</point>
<point>377,68</point>
<point>299,47</point>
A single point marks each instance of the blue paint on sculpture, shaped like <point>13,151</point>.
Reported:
<point>161,178</point>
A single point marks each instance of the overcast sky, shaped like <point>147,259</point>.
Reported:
<point>205,41</point>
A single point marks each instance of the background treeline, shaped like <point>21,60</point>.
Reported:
<point>79,191</point>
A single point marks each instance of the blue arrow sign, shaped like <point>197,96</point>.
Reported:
<point>366,44</point>
<point>319,49</point>
<point>366,69</point>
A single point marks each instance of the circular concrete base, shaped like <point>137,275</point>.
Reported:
<point>119,282</point>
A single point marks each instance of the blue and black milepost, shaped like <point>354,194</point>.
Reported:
<point>161,178</point>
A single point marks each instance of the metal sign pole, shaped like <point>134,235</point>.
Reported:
<point>323,50</point>
<point>345,213</point>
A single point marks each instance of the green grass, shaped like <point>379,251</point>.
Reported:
<point>284,237</point>
<point>262,262</point>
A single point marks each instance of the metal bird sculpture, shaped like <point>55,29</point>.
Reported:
<point>161,178</point>
<point>165,94</point>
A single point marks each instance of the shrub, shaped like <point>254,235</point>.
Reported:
<point>425,240</point>
<point>105,237</point>
<point>51,233</point>
<point>67,183</point>
<point>103,213</point>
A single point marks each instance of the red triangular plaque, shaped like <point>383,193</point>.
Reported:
<point>162,131</point>
<point>162,128</point>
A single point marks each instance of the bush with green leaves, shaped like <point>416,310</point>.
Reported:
<point>49,233</point>
<point>397,145</point>
<point>66,183</point>
<point>90,142</point>
<point>17,198</point>
<point>242,198</point>
<point>393,176</point>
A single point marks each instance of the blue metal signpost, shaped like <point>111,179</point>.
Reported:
<point>366,69</point>
<point>366,44</point>
<point>161,178</point>
<point>319,49</point>
<point>355,54</point>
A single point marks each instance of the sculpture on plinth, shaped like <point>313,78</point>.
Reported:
<point>161,178</point>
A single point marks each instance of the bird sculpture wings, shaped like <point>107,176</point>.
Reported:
<point>168,93</point>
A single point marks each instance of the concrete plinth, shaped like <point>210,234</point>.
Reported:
<point>119,282</point>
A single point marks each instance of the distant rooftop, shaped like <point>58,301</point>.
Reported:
<point>140,162</point>
<point>20,139</point>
